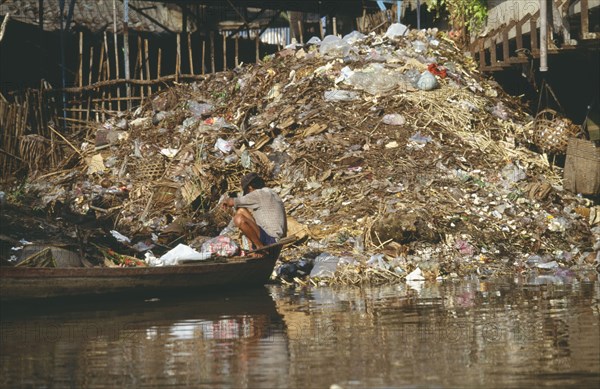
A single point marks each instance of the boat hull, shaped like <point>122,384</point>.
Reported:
<point>17,283</point>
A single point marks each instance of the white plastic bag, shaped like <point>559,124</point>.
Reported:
<point>182,252</point>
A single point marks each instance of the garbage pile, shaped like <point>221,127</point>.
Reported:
<point>393,155</point>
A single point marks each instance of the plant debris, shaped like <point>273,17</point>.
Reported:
<point>391,153</point>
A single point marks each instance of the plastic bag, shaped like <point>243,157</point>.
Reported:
<point>324,266</point>
<point>395,30</point>
<point>427,81</point>
<point>179,253</point>
<point>222,246</point>
<point>394,119</point>
<point>223,145</point>
<point>199,109</point>
<point>340,95</point>
<point>334,46</point>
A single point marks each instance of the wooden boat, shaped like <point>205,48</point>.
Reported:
<point>18,283</point>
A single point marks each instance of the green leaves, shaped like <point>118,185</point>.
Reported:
<point>463,13</point>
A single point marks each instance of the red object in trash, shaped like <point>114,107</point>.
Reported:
<point>437,70</point>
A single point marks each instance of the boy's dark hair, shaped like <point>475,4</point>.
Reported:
<point>252,179</point>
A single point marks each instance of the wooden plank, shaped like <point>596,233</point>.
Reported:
<point>534,37</point>
<point>191,56</point>
<point>257,44</point>
<point>109,93</point>
<point>585,18</point>
<point>203,55</point>
<point>224,51</point>
<point>80,73</point>
<point>178,58</point>
<point>147,64</point>
<point>159,62</point>
<point>519,35</point>
<point>117,76</point>
<point>493,60</point>
<point>212,52</point>
<point>140,64</point>
<point>482,62</point>
<point>505,46</point>
<point>237,54</point>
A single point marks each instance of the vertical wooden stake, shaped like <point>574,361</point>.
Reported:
<point>257,40</point>
<point>585,18</point>
<point>203,54</point>
<point>126,51</point>
<point>321,30</point>
<point>107,67</point>
<point>178,58</point>
<point>117,70</point>
<point>140,66</point>
<point>116,53</point>
<point>300,31</point>
<point>100,75</point>
<point>237,55</point>
<point>212,51</point>
<point>334,26</point>
<point>159,62</point>
<point>147,62</point>
<point>89,102</point>
<point>189,41</point>
<point>80,75</point>
<point>91,65</point>
<point>224,51</point>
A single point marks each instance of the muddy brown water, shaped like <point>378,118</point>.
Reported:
<point>541,332</point>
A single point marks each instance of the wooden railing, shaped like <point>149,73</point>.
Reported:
<point>511,43</point>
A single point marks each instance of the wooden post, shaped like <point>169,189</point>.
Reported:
<point>212,51</point>
<point>585,19</point>
<point>364,20</point>
<point>178,58</point>
<point>147,63</point>
<point>237,55</point>
<point>139,66</point>
<point>321,30</point>
<point>334,26</point>
<point>100,74</point>
<point>189,41</point>
<point>533,32</point>
<point>116,53</point>
<point>493,53</point>
<point>481,54</point>
<point>203,55</point>
<point>126,50</point>
<point>89,102</point>
<point>224,51</point>
<point>300,32</point>
<point>109,93</point>
<point>519,36</point>
<point>91,65</point>
<point>80,73</point>
<point>505,52</point>
<point>158,62</point>
<point>257,40</point>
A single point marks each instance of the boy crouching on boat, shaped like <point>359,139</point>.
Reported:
<point>259,213</point>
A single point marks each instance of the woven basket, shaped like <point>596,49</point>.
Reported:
<point>551,132</point>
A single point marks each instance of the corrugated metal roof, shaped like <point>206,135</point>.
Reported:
<point>158,16</point>
<point>95,15</point>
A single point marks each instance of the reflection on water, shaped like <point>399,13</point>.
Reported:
<point>463,334</point>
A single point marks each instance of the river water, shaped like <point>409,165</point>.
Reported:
<point>543,332</point>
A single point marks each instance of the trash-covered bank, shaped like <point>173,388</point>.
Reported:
<point>394,157</point>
